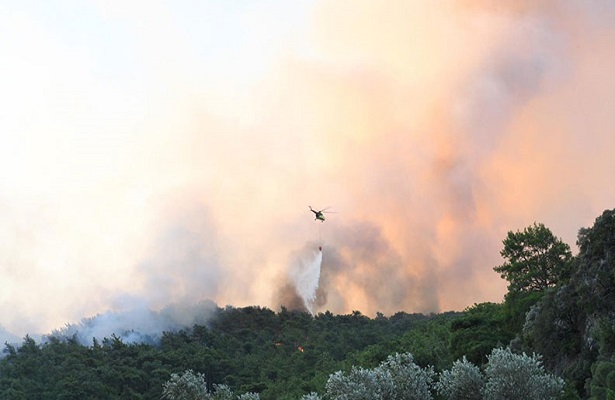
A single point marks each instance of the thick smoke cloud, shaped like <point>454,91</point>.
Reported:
<point>184,173</point>
<point>424,159</point>
<point>364,265</point>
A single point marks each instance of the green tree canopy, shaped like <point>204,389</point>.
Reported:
<point>535,259</point>
<point>478,330</point>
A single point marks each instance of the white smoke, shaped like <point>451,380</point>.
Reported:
<point>304,274</point>
<point>138,324</point>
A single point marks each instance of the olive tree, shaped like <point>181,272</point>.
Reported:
<point>311,396</point>
<point>396,378</point>
<point>519,377</point>
<point>464,381</point>
<point>249,396</point>
<point>189,385</point>
<point>359,384</point>
<point>410,382</point>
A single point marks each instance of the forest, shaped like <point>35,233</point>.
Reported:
<point>552,337</point>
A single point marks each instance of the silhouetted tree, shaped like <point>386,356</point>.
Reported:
<point>535,259</point>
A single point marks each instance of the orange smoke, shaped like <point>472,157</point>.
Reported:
<point>431,128</point>
<point>437,128</point>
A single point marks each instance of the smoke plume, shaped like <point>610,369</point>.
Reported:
<point>152,159</point>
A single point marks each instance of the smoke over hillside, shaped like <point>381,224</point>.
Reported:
<point>150,159</point>
<point>138,325</point>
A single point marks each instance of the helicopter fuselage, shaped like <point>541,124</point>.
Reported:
<point>319,214</point>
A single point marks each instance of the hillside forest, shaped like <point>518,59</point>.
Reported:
<point>552,337</point>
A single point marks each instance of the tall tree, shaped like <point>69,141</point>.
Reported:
<point>535,259</point>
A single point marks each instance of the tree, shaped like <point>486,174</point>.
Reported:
<point>507,376</point>
<point>535,259</point>
<point>572,324</point>
<point>554,327</point>
<point>358,384</point>
<point>221,392</point>
<point>396,378</point>
<point>191,386</point>
<point>463,381</point>
<point>595,276</point>
<point>311,396</point>
<point>594,282</point>
<point>519,377</point>
<point>188,386</point>
<point>249,396</point>
<point>602,385</point>
<point>410,381</point>
<point>478,331</point>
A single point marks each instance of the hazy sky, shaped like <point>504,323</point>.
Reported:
<point>156,152</point>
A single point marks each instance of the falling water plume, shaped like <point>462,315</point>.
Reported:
<point>305,275</point>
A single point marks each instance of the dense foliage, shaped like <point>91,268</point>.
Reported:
<point>573,325</point>
<point>507,376</point>
<point>280,355</point>
<point>558,306</point>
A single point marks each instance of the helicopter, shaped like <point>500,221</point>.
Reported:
<point>320,214</point>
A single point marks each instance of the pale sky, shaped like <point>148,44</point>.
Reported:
<point>159,152</point>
